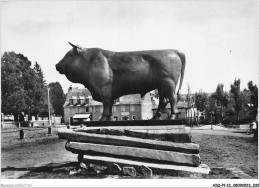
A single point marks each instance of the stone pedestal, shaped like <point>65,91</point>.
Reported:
<point>164,150</point>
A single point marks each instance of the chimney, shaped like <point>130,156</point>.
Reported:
<point>70,88</point>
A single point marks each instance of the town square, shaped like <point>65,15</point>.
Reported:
<point>100,93</point>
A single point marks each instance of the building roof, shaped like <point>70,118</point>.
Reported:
<point>76,93</point>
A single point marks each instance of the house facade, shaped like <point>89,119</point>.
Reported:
<point>182,109</point>
<point>80,107</point>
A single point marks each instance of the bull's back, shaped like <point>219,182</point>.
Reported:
<point>142,71</point>
<point>154,63</point>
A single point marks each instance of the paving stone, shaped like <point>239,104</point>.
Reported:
<point>218,170</point>
<point>83,165</point>
<point>114,169</point>
<point>73,172</point>
<point>146,171</point>
<point>97,167</point>
<point>129,171</point>
<point>92,171</point>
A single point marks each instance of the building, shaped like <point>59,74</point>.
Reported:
<point>80,107</point>
<point>183,111</point>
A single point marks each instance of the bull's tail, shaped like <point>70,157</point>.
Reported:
<point>183,60</point>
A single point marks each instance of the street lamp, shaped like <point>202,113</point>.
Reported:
<point>49,106</point>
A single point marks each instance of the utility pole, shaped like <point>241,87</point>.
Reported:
<point>49,106</point>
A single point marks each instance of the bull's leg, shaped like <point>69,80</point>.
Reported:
<point>173,103</point>
<point>106,116</point>
<point>161,106</point>
<point>107,100</point>
<point>170,93</point>
<point>110,109</point>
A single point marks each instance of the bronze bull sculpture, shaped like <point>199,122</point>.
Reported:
<point>109,75</point>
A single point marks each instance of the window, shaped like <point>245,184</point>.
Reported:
<point>123,108</point>
<point>116,101</point>
<point>71,101</point>
<point>87,109</point>
<point>87,101</point>
<point>132,108</point>
<point>114,108</point>
<point>115,118</point>
<point>82,101</point>
<point>125,118</point>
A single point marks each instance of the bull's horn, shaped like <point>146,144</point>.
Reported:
<point>74,46</point>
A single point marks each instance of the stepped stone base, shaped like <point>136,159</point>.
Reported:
<point>157,169</point>
<point>161,150</point>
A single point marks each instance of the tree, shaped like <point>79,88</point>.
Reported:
<point>236,94</point>
<point>200,100</point>
<point>19,85</point>
<point>16,80</point>
<point>40,94</point>
<point>221,100</point>
<point>253,97</point>
<point>57,97</point>
<point>211,108</point>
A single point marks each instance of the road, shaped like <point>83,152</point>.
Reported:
<point>43,156</point>
<point>18,157</point>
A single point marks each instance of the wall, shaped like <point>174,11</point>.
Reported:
<point>147,112</point>
<point>71,111</point>
<point>97,112</point>
<point>117,111</point>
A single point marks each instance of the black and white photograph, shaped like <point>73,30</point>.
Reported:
<point>129,93</point>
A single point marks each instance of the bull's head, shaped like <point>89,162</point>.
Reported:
<point>69,65</point>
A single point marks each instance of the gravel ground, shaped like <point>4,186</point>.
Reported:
<point>41,155</point>
<point>228,148</point>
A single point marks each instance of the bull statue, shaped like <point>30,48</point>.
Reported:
<point>109,75</point>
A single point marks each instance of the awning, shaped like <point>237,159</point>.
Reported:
<point>81,116</point>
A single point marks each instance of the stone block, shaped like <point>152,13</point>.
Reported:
<point>157,168</point>
<point>181,135</point>
<point>83,165</point>
<point>169,157</point>
<point>113,169</point>
<point>129,171</point>
<point>146,171</point>
<point>189,148</point>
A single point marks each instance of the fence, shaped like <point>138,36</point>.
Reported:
<point>36,123</point>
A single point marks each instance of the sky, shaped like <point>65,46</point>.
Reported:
<point>220,38</point>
